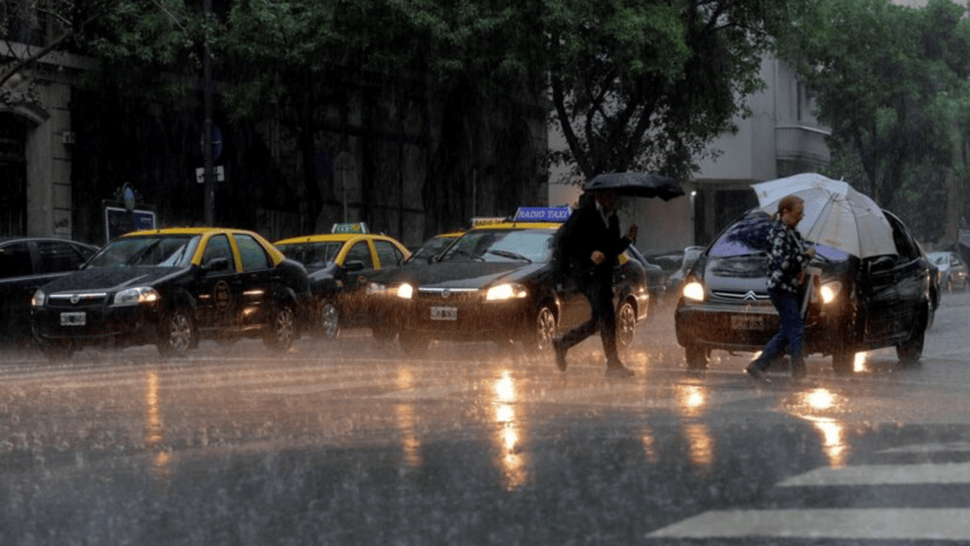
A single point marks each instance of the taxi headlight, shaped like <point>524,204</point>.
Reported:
<point>830,291</point>
<point>137,295</point>
<point>38,299</point>
<point>694,291</point>
<point>505,292</point>
<point>404,291</point>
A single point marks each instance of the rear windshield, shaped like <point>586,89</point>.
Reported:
<point>150,250</point>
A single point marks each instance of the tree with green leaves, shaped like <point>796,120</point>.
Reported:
<point>648,85</point>
<point>890,81</point>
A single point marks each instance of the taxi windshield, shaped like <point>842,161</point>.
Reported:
<point>938,258</point>
<point>149,250</point>
<point>432,248</point>
<point>502,245</point>
<point>312,255</point>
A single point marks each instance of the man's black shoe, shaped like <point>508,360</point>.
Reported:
<point>618,370</point>
<point>560,353</point>
<point>756,372</point>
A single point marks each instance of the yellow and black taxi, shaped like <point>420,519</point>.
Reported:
<point>339,265</point>
<point>499,282</point>
<point>172,287</point>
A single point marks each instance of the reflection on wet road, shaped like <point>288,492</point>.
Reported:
<point>351,443</point>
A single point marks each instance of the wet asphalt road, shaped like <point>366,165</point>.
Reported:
<point>354,443</point>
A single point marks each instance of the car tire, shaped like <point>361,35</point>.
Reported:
<point>626,325</point>
<point>281,331</point>
<point>843,360</point>
<point>329,316</point>
<point>412,343</point>
<point>56,350</point>
<point>696,356</point>
<point>177,334</point>
<point>543,331</point>
<point>910,351</point>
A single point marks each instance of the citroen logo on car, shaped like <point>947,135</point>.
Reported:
<point>75,298</point>
<point>446,294</point>
<point>750,296</point>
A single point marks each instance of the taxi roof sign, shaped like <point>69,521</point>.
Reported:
<point>487,220</point>
<point>542,214</point>
<point>359,227</point>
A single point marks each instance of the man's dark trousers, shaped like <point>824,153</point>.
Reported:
<point>599,292</point>
<point>790,334</point>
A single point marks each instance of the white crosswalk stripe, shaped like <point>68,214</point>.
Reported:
<point>870,523</point>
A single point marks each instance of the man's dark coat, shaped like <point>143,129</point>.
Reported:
<point>585,232</point>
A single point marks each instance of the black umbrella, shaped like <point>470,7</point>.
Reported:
<point>636,184</point>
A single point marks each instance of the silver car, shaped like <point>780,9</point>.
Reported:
<point>953,270</point>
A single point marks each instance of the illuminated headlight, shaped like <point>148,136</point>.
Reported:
<point>694,291</point>
<point>137,295</point>
<point>830,291</point>
<point>505,292</point>
<point>38,299</point>
<point>404,291</point>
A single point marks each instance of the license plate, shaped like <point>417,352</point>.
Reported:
<point>74,319</point>
<point>747,322</point>
<point>444,313</point>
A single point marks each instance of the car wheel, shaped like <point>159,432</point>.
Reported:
<point>910,351</point>
<point>57,350</point>
<point>329,316</point>
<point>696,357</point>
<point>412,343</point>
<point>543,330</point>
<point>281,331</point>
<point>177,334</point>
<point>626,325</point>
<point>843,360</point>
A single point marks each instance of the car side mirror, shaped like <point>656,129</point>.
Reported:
<point>353,265</point>
<point>217,264</point>
<point>882,263</point>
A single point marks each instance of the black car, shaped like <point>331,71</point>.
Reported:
<point>858,304</point>
<point>499,283</point>
<point>339,266</point>
<point>26,264</point>
<point>171,288</point>
<point>656,278</point>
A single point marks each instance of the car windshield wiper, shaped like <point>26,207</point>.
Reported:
<point>142,253</point>
<point>508,254</point>
<point>461,252</point>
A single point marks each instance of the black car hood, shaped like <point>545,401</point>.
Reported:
<point>463,274</point>
<point>744,273</point>
<point>111,279</point>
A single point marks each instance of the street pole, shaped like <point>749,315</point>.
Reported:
<point>210,187</point>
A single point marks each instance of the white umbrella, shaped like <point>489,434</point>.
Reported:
<point>836,215</point>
